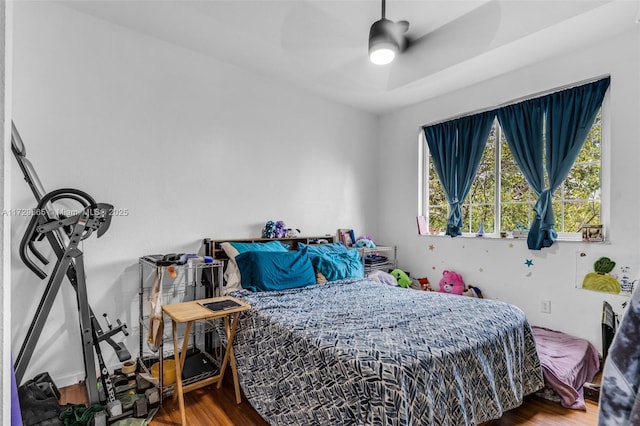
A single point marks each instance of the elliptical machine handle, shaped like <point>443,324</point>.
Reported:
<point>26,245</point>
<point>32,234</point>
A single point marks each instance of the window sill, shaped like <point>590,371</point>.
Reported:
<point>561,238</point>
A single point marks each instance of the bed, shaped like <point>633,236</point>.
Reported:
<point>356,351</point>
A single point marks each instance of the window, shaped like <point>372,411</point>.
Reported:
<point>500,198</point>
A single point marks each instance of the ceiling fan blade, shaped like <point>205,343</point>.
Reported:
<point>307,26</point>
<point>478,34</point>
<point>446,46</point>
<point>356,75</point>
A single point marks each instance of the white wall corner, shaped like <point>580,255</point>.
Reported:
<point>5,204</point>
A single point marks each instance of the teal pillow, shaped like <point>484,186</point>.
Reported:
<point>268,271</point>
<point>338,266</point>
<point>320,249</point>
<point>268,246</point>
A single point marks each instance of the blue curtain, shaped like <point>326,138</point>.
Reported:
<point>456,149</point>
<point>523,126</point>
<point>442,140</point>
<point>569,117</point>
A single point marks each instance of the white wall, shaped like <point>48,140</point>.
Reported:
<point>190,146</point>
<point>497,266</point>
<point>6,22</point>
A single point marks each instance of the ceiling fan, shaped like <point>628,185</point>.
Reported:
<point>386,39</point>
<point>334,30</point>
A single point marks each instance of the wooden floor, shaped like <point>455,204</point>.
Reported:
<point>538,411</point>
<point>212,407</point>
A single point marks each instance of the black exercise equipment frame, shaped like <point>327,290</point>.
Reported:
<point>64,235</point>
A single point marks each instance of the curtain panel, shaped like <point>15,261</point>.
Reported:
<point>456,149</point>
<point>556,125</point>
<point>564,119</point>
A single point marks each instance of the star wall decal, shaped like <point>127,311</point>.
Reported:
<point>529,263</point>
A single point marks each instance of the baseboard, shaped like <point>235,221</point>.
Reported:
<point>70,380</point>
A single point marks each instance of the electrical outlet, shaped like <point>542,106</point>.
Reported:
<point>545,306</point>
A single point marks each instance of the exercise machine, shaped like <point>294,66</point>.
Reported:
<point>64,228</point>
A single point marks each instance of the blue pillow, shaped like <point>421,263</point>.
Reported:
<point>268,246</point>
<point>267,271</point>
<point>337,266</point>
<point>320,249</point>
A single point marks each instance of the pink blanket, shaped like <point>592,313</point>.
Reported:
<point>567,363</point>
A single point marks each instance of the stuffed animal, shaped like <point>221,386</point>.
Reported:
<point>424,284</point>
<point>278,230</point>
<point>452,283</point>
<point>469,292</point>
<point>281,229</point>
<point>293,232</point>
<point>403,279</point>
<point>269,230</point>
<point>473,292</point>
<point>364,242</point>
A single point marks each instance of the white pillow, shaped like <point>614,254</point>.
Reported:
<point>231,272</point>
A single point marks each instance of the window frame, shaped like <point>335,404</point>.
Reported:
<point>423,183</point>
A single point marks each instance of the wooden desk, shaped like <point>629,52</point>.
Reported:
<point>188,312</point>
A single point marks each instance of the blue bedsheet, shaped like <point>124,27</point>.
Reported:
<point>364,353</point>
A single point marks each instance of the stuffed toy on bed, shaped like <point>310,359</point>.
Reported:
<point>452,283</point>
<point>472,291</point>
<point>424,284</point>
<point>403,279</point>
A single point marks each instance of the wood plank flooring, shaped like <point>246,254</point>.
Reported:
<point>212,407</point>
<point>537,411</point>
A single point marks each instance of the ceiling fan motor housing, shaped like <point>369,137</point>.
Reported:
<point>387,32</point>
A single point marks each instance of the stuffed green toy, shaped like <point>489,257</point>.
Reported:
<point>403,279</point>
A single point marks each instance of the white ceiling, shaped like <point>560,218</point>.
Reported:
<point>321,45</point>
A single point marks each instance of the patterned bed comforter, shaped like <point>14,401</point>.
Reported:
<point>362,353</point>
<point>619,395</point>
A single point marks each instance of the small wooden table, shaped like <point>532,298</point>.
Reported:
<point>188,312</point>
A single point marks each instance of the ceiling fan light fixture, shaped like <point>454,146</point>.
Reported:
<point>382,53</point>
<point>383,44</point>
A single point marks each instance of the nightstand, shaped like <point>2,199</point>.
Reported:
<point>225,307</point>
